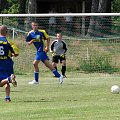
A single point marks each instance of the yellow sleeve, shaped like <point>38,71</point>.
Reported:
<point>15,48</point>
<point>45,34</point>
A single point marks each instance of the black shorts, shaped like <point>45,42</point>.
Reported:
<point>56,58</point>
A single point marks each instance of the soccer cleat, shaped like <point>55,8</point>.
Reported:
<point>13,81</point>
<point>33,82</point>
<point>61,79</point>
<point>7,100</point>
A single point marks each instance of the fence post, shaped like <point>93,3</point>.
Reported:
<point>13,35</point>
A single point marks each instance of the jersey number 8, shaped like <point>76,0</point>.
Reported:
<point>1,50</point>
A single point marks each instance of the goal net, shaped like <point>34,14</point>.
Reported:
<point>93,40</point>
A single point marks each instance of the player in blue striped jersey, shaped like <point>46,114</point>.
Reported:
<point>39,38</point>
<point>6,63</point>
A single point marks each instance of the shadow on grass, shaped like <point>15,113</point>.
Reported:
<point>44,100</point>
<point>41,100</point>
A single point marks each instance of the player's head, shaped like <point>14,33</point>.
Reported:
<point>3,30</point>
<point>59,36</point>
<point>34,25</point>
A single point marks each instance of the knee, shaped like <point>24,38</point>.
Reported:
<point>64,63</point>
<point>34,63</point>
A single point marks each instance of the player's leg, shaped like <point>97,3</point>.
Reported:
<point>63,64</point>
<point>4,77</point>
<point>36,68</point>
<point>54,64</point>
<point>5,83</point>
<point>36,72</point>
<point>12,76</point>
<point>45,60</point>
<point>10,79</point>
<point>5,80</point>
<point>7,89</point>
<point>54,71</point>
<point>63,69</point>
<point>13,81</point>
<point>55,60</point>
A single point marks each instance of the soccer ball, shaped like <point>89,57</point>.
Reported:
<point>115,89</point>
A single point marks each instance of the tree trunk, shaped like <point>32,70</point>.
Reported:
<point>100,26</point>
<point>102,8</point>
<point>22,6</point>
<point>32,6</point>
<point>102,21</point>
<point>94,9</point>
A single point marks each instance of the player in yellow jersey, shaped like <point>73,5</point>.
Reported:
<point>6,63</point>
<point>38,38</point>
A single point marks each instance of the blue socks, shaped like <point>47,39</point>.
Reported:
<point>7,97</point>
<point>55,72</point>
<point>36,76</point>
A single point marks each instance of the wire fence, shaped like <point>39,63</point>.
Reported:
<point>93,41</point>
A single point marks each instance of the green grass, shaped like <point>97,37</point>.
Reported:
<point>82,97</point>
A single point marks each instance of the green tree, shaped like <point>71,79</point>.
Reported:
<point>116,6</point>
<point>11,6</point>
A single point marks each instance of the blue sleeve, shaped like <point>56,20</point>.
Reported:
<point>29,38</point>
<point>10,48</point>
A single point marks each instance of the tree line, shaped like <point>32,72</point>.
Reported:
<point>22,6</point>
<point>102,25</point>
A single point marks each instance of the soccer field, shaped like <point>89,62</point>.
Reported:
<point>86,97</point>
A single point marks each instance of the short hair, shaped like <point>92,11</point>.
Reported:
<point>60,33</point>
<point>34,22</point>
<point>3,29</point>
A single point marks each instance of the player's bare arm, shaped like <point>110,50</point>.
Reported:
<point>30,42</point>
<point>47,45</point>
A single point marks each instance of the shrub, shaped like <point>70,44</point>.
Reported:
<point>97,63</point>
